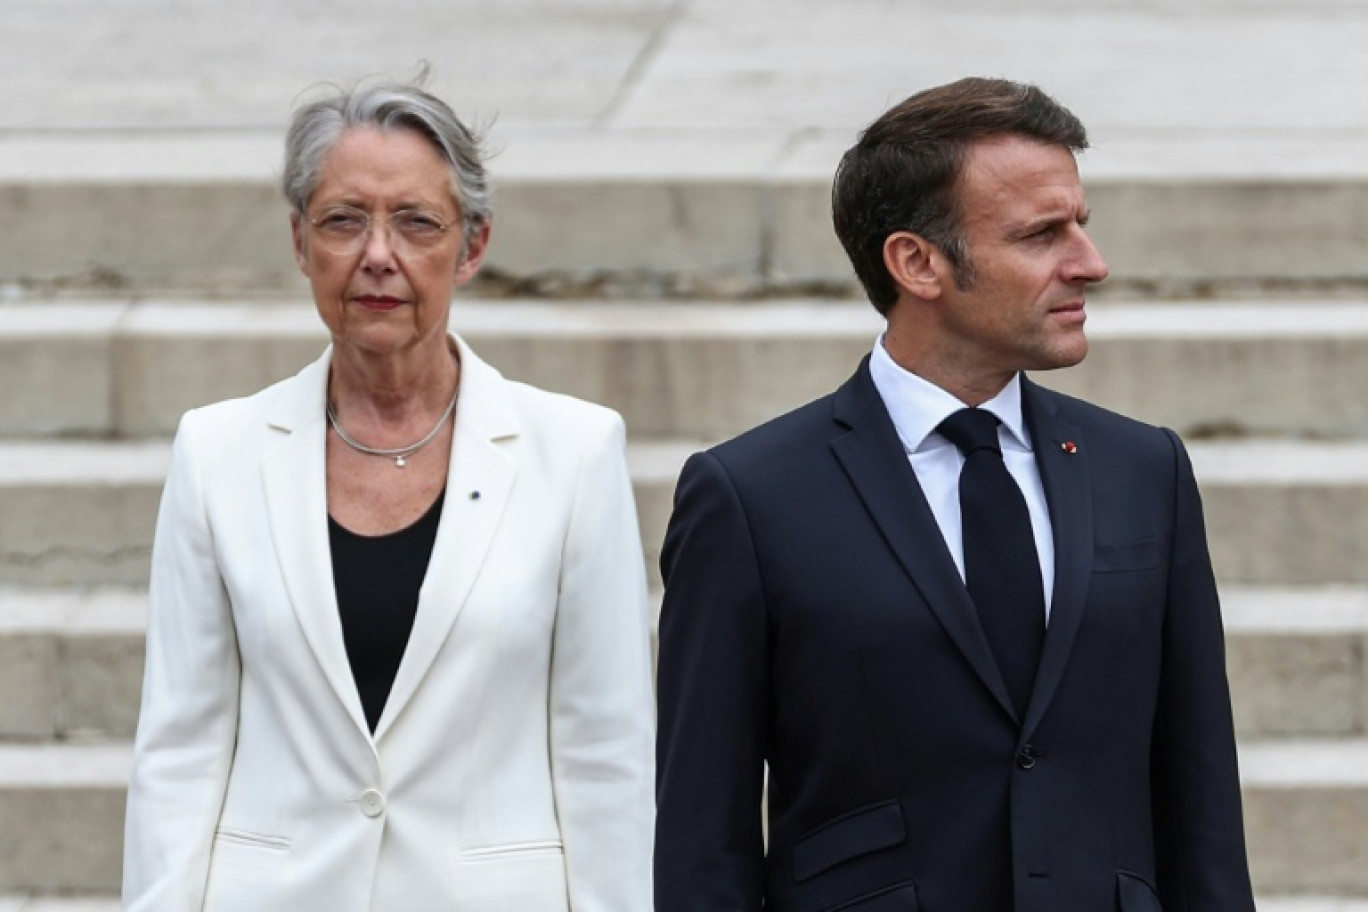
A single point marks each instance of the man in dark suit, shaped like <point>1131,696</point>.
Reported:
<point>969,624</point>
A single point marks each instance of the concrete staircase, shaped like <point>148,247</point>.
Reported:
<point>1263,389</point>
<point>662,245</point>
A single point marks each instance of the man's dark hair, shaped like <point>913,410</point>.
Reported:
<point>902,173</point>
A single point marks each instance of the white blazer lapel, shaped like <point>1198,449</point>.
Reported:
<point>479,483</point>
<point>295,477</point>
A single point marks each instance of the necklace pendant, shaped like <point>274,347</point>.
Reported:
<point>400,462</point>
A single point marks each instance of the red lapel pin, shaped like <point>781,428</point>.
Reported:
<point>1069,447</point>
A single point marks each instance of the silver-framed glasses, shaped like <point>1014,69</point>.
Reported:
<point>346,229</point>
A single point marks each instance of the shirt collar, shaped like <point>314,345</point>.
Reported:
<point>917,406</point>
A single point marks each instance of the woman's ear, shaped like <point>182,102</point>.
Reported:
<point>297,238</point>
<point>475,247</point>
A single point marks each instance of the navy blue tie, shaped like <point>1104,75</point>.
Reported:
<point>1001,568</point>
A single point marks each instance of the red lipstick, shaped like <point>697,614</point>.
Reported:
<point>378,302</point>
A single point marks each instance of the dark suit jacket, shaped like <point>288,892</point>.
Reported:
<point>814,619</point>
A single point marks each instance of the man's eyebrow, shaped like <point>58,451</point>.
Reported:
<point>1058,217</point>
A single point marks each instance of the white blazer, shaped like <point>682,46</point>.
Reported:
<point>512,770</point>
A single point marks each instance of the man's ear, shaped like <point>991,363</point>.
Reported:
<point>915,265</point>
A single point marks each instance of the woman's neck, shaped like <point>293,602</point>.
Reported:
<point>393,390</point>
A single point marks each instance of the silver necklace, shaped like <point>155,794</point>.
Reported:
<point>401,454</point>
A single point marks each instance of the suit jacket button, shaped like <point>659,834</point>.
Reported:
<point>1026,757</point>
<point>372,803</point>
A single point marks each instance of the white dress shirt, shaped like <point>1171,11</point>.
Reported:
<point>917,408</point>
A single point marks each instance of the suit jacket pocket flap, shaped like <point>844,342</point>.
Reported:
<point>900,898</point>
<point>856,833</point>
<point>1135,894</point>
<point>1141,555</point>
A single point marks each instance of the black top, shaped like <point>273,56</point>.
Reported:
<point>377,579</point>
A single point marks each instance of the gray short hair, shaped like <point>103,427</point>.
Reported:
<point>317,126</point>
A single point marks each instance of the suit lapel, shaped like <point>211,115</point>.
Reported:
<point>295,478</point>
<point>1063,459</point>
<point>479,483</point>
<point>875,462</point>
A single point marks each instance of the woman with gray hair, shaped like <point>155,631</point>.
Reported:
<point>398,646</point>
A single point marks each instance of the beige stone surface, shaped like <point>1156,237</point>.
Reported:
<point>1233,371</point>
<point>1287,685</point>
<point>30,676</point>
<point>71,662</point>
<point>1309,530</point>
<point>666,149</point>
<point>163,371</point>
<point>79,904</point>
<point>1277,513</point>
<point>76,533</point>
<point>56,367</point>
<point>1304,805</point>
<point>550,60</point>
<point>1220,230</point>
<point>1131,66</point>
<point>803,246</point>
<point>1308,839</point>
<point>78,513</point>
<point>100,685</point>
<point>61,838</point>
<point>157,234</point>
<point>678,143</point>
<point>700,231</point>
<point>690,369</point>
<point>1265,904</point>
<point>76,674</point>
<point>737,234</point>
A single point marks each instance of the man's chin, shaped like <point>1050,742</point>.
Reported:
<point>1062,356</point>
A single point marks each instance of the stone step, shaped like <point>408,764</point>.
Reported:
<point>71,662</point>
<point>110,904</point>
<point>74,904</point>
<point>662,211</point>
<point>695,370</point>
<point>1297,660</point>
<point>1306,811</point>
<point>61,817</point>
<point>1281,512</point>
<point>61,904</point>
<point>1278,513</point>
<point>78,513</point>
<point>1306,815</point>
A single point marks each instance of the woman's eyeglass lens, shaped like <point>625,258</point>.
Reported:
<point>345,230</point>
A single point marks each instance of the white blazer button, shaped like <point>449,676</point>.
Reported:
<point>372,803</point>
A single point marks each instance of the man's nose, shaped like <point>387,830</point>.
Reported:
<point>1086,265</point>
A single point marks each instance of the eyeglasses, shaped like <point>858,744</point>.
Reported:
<point>345,229</point>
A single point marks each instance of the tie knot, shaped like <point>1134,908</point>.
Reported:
<point>972,429</point>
